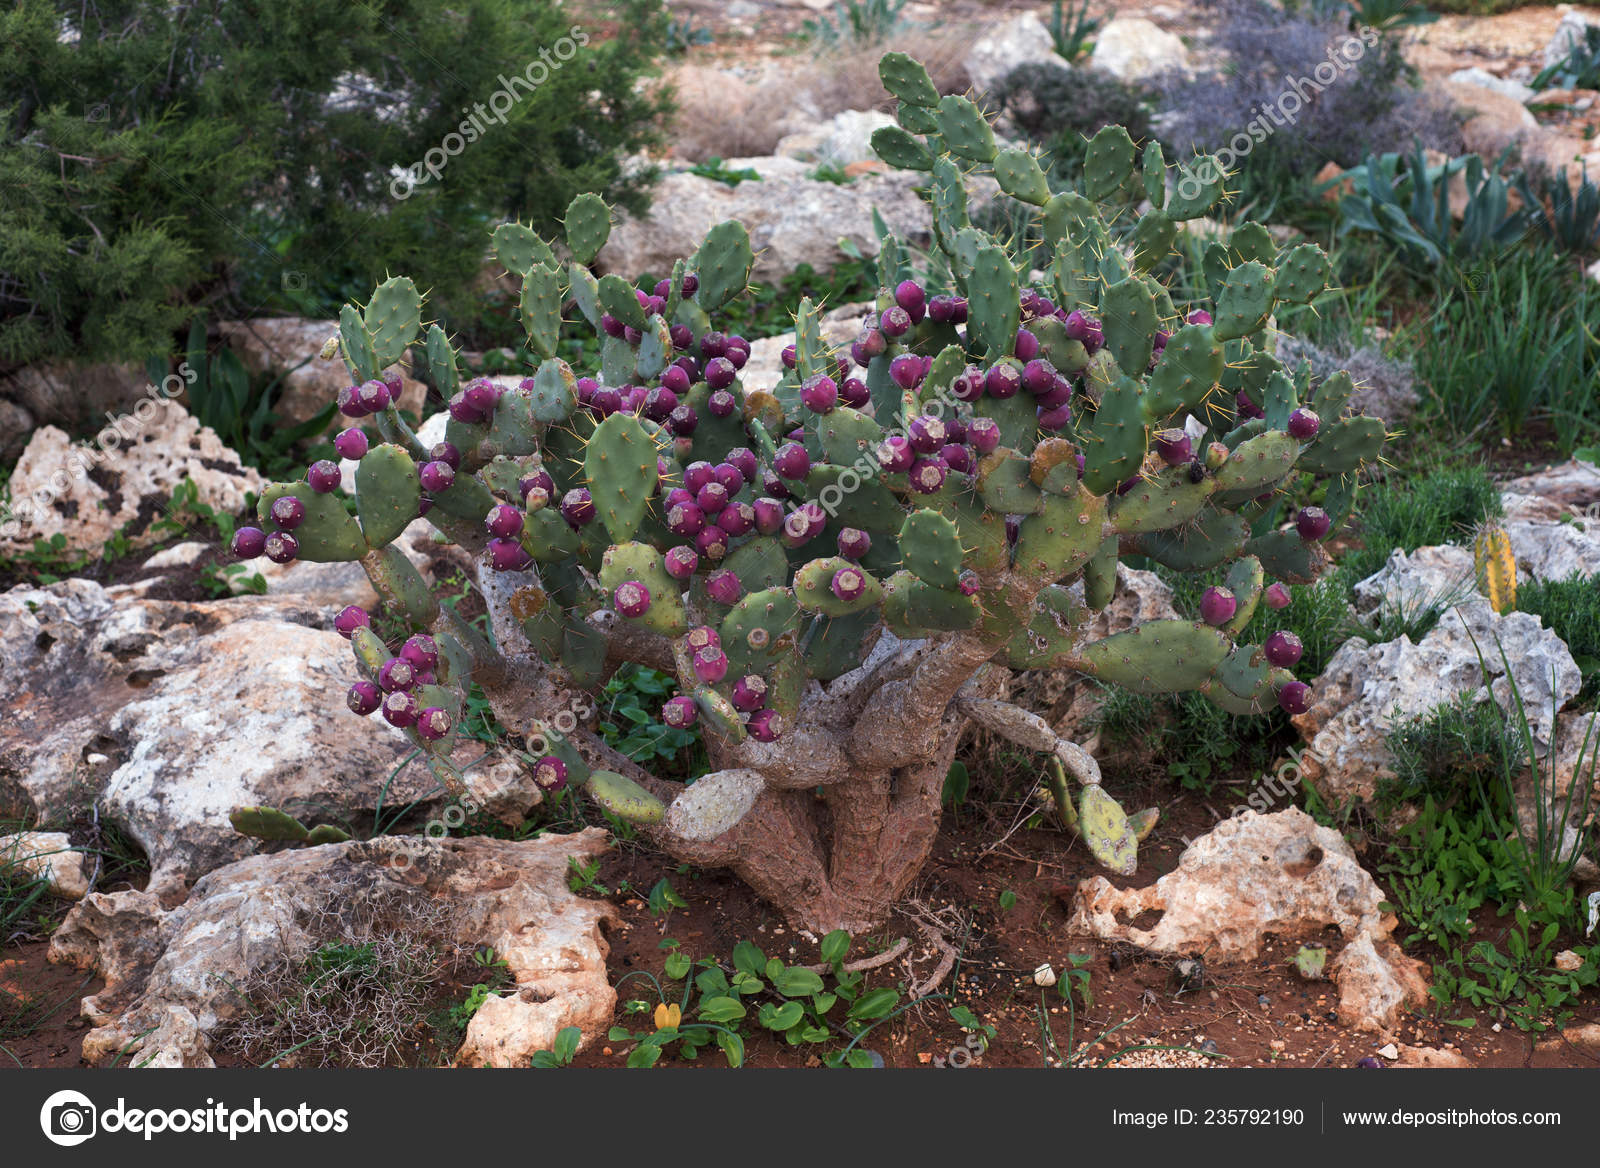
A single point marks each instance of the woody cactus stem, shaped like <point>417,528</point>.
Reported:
<point>839,569</point>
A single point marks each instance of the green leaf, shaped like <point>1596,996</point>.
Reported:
<point>748,957</point>
<point>1008,900</point>
<point>676,966</point>
<point>875,1004</point>
<point>721,1010</point>
<point>835,945</point>
<point>732,1047</point>
<point>782,1017</point>
<point>566,1044</point>
<point>795,982</point>
<point>645,1055</point>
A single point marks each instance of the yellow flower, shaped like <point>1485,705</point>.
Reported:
<point>668,1017</point>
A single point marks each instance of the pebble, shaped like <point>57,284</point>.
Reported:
<point>1389,1051</point>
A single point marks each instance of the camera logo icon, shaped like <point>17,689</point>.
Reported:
<point>68,1118</point>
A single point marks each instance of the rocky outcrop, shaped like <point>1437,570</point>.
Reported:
<point>1023,40</point>
<point>171,973</point>
<point>1254,875</point>
<point>47,856</point>
<point>1132,49</point>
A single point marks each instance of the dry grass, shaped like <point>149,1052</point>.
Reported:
<point>727,116</point>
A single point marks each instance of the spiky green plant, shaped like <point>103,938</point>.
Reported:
<point>839,610</point>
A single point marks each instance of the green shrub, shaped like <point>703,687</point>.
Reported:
<point>1419,510</point>
<point>1450,750</point>
<point>1064,108</point>
<point>1571,609</point>
<point>154,153</point>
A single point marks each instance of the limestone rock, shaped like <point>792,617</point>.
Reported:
<point>1022,40</point>
<point>193,710</point>
<point>169,971</point>
<point>843,139</point>
<point>1132,49</point>
<point>48,855</point>
<point>72,395</point>
<point>1575,483</point>
<point>1493,120</point>
<point>87,492</point>
<point>1257,874</point>
<point>1482,78</point>
<point>1569,34</point>
<point>840,326</point>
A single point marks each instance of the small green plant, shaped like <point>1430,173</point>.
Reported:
<point>1387,15</point>
<point>831,172</point>
<point>1008,900</point>
<point>583,876</point>
<point>1571,609</point>
<point>1569,218</point>
<point>1442,752</point>
<point>681,35</point>
<point>562,1052</point>
<point>855,23</point>
<point>664,898</point>
<point>630,705</point>
<point>713,168</point>
<point>1579,69</point>
<point>1072,32</point>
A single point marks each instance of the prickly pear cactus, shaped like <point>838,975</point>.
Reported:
<point>839,567</point>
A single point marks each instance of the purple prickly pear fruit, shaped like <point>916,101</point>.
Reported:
<point>395,674</point>
<point>859,354</point>
<point>683,421</point>
<point>1283,649</point>
<point>681,336</point>
<point>678,496</point>
<point>632,335</point>
<point>363,698</point>
<point>720,373</point>
<point>769,515</point>
<point>712,542</point>
<point>854,543</point>
<point>1277,595</point>
<point>1128,484</point>
<point>1027,345</point>
<point>927,475</point>
<point>577,507</point>
<point>984,435</point>
<point>803,524</point>
<point>606,401</point>
<point>790,357</point>
<point>968,583</point>
<point>287,512</point>
<point>437,476</point>
<point>481,394</point>
<point>421,652</point>
<point>1174,446</point>
<point>663,288</point>
<point>1199,316</point>
<point>724,587</point>
<point>631,599</point>
<point>895,321</point>
<point>1045,307</point>
<point>351,443</point>
<point>462,411</point>
<point>1294,697</point>
<point>281,547</point>
<point>908,294</point>
<point>681,561</point>
<point>710,665</point>
<point>1002,381</point>
<point>749,693</point>
<point>373,395</point>
<point>736,518</point>
<point>1077,325</point>
<point>1038,376</point>
<point>792,461</point>
<point>1303,425</point>
<point>926,434</point>
<point>1246,408</point>
<point>1217,606</point>
<point>955,430</point>
<point>400,710</point>
<point>1159,341</point>
<point>675,379</point>
<point>550,773</point>
<point>1096,340</point>
<point>722,404</point>
<point>349,404</point>
<point>743,460</point>
<point>1059,394</point>
<point>507,555</point>
<point>680,712</point>
<point>351,618</point>
<point>967,385</point>
<point>1013,529</point>
<point>872,343</point>
<point>773,485</point>
<point>610,325</point>
<point>691,284</point>
<point>765,726</point>
<point>896,454</point>
<point>248,543</point>
<point>1054,418</point>
<point>713,344</point>
<point>711,498</point>
<point>942,310</point>
<point>659,403</point>
<point>697,475</point>
<point>1027,299</point>
<point>1312,523</point>
<point>848,584</point>
<point>819,394</point>
<point>703,637</point>
<point>446,453</point>
<point>854,393</point>
<point>1081,462</point>
<point>906,370</point>
<point>503,520</point>
<point>738,352</point>
<point>686,519</point>
<point>433,724</point>
<point>729,477</point>
<point>957,457</point>
<point>425,504</point>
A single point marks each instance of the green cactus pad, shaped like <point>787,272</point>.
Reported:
<point>813,592</point>
<point>1279,398</point>
<point>387,494</point>
<point>619,464</point>
<point>267,823</point>
<point>1115,445</point>
<point>540,308</point>
<point>392,318</point>
<point>1259,462</point>
<point>1245,580</point>
<point>1050,636</point>
<point>583,651</point>
<point>1287,557</point>
<point>1021,177</point>
<point>966,132</point>
<point>1186,371</point>
<point>983,532</point>
<point>519,248</point>
<point>1245,302</point>
<point>723,264</point>
<point>442,363</point>
<point>721,718</point>
<point>1153,173</point>
<point>1345,445</point>
<point>931,548</point>
<point>764,625</point>
<point>1005,483</point>
<point>917,118</point>
<point>1197,188</point>
<point>994,313</point>
<point>948,196</point>
<point>327,535</point>
<point>1251,241</point>
<point>759,563</point>
<point>1168,656</point>
<point>1161,502</point>
<point>1108,164</point>
<point>1105,828</point>
<point>854,498</point>
<point>1302,273</point>
<point>1152,240</point>
<point>625,798</point>
<point>1332,396</point>
<point>907,79</point>
<point>356,344</point>
<point>1128,315</point>
<point>401,587</point>
<point>1062,537</point>
<point>617,297</point>
<point>655,349</point>
<point>639,561</point>
<point>1215,537</point>
<point>588,225</point>
<point>554,393</point>
<point>370,652</point>
<point>901,150</point>
<point>833,645</point>
<point>1100,575</point>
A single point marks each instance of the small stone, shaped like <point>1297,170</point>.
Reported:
<point>1044,975</point>
<point>1568,961</point>
<point>1389,1051</point>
